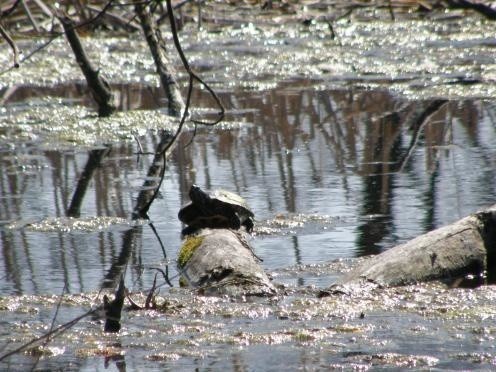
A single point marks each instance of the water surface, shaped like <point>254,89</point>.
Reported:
<point>343,148</point>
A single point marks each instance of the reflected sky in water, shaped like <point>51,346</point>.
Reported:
<point>382,168</point>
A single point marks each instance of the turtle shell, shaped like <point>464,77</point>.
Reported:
<point>227,199</point>
<point>220,209</point>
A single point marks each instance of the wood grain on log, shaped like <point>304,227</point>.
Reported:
<point>220,261</point>
<point>450,252</point>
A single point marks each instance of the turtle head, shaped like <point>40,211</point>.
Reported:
<point>198,196</point>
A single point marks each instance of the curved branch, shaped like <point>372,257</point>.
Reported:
<point>59,330</point>
<point>12,45</point>
<point>187,67</point>
<point>57,35</point>
<point>7,12</point>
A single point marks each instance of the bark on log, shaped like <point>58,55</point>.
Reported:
<point>466,247</point>
<point>220,262</point>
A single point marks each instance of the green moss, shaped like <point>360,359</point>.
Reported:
<point>187,249</point>
<point>183,282</point>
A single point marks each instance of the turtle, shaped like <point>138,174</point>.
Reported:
<point>217,210</point>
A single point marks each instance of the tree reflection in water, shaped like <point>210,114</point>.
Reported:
<point>389,167</point>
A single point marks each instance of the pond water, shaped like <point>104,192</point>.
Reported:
<point>334,168</point>
<point>343,174</point>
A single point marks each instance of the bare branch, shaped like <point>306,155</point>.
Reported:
<point>186,65</point>
<point>12,8</point>
<point>483,9</point>
<point>98,85</point>
<point>12,44</point>
<point>57,331</point>
<point>43,46</point>
<point>164,69</point>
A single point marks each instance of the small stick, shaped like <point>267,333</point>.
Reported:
<point>13,45</point>
<point>30,16</point>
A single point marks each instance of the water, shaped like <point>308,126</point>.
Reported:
<point>336,163</point>
<point>372,181</point>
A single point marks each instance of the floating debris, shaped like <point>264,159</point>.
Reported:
<point>70,224</point>
<point>287,224</point>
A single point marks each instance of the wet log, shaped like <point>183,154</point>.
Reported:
<point>221,262</point>
<point>464,249</point>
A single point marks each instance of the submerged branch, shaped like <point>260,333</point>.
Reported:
<point>418,125</point>
<point>164,67</point>
<point>113,309</point>
<point>55,332</point>
<point>483,9</point>
<point>94,160</point>
<point>12,45</point>
<point>97,84</point>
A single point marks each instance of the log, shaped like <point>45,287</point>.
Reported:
<point>463,249</point>
<point>221,262</point>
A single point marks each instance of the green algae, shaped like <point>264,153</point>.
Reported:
<point>191,243</point>
<point>54,124</point>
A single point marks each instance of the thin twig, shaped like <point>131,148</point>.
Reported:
<point>165,274</point>
<point>57,331</point>
<point>187,67</point>
<point>12,8</point>
<point>158,237</point>
<point>151,294</point>
<point>12,44</point>
<point>47,340</point>
<point>192,137</point>
<point>57,35</point>
<point>433,107</point>
<point>56,311</point>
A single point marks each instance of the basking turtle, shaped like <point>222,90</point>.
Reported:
<point>220,209</point>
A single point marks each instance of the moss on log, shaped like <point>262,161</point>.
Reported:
<point>221,262</point>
